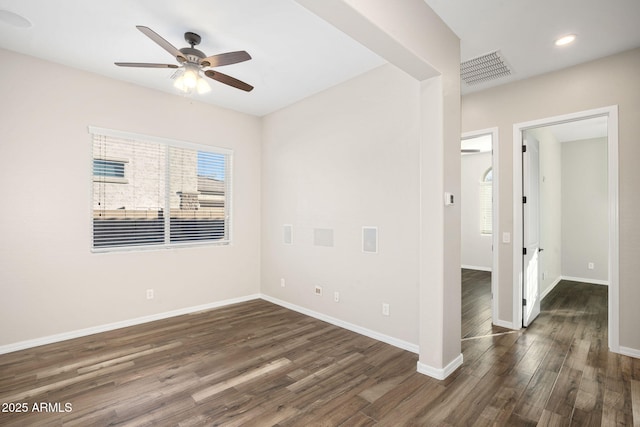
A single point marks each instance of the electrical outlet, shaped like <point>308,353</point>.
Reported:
<point>385,309</point>
<point>591,266</point>
<point>318,290</point>
<point>282,282</point>
<point>150,294</point>
<point>336,296</point>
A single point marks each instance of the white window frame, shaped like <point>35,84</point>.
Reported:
<point>165,142</point>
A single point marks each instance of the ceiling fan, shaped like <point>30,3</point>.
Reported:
<point>192,61</point>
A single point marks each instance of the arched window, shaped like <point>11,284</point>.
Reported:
<point>488,175</point>
<point>486,197</point>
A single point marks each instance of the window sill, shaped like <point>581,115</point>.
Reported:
<point>110,180</point>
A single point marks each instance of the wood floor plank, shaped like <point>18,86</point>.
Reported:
<point>588,404</point>
<point>635,401</point>
<point>258,364</point>
<point>262,371</point>
<point>563,396</point>
<point>410,408</point>
<point>403,392</point>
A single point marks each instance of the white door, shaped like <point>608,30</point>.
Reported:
<point>531,230</point>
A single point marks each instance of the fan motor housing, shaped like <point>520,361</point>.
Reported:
<point>192,38</point>
<point>193,55</point>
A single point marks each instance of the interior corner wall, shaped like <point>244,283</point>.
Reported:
<point>410,35</point>
<point>585,210</point>
<point>51,283</point>
<point>424,38</point>
<point>475,246</point>
<point>340,160</point>
<point>604,82</point>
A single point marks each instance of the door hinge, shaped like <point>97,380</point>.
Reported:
<point>524,199</point>
<point>524,301</point>
<point>524,148</point>
<point>524,251</point>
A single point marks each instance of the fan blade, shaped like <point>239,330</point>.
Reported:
<point>228,80</point>
<point>162,43</point>
<point>144,65</point>
<point>225,59</point>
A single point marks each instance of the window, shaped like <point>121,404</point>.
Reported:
<point>486,198</point>
<point>108,168</point>
<point>154,192</point>
<point>488,176</point>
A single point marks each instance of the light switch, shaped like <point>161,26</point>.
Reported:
<point>506,237</point>
<point>448,199</point>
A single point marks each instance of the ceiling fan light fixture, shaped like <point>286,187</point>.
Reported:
<point>189,80</point>
<point>565,40</point>
<point>202,86</point>
<point>188,77</point>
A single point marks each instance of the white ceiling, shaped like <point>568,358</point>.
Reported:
<point>524,31</point>
<point>295,53</point>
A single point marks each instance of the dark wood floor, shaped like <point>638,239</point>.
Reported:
<point>476,305</point>
<point>259,364</point>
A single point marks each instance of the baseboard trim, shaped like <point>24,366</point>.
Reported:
<point>405,345</point>
<point>23,345</point>
<point>475,267</point>
<point>631,352</point>
<point>584,280</point>
<point>440,373</point>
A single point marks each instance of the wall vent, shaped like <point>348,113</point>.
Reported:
<point>484,68</point>
<point>323,237</point>
<point>287,234</point>
<point>370,240</point>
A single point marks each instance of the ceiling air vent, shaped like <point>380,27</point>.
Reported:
<point>484,68</point>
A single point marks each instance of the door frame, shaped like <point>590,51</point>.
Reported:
<point>611,112</point>
<point>494,216</point>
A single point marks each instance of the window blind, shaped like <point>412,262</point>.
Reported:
<point>486,209</point>
<point>167,192</point>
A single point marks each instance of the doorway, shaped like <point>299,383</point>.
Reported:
<point>479,201</point>
<point>522,289</point>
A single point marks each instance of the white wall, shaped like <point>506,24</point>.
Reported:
<point>416,40</point>
<point>608,81</point>
<point>585,210</point>
<point>413,38</point>
<point>476,247</point>
<point>50,281</point>
<point>343,159</point>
